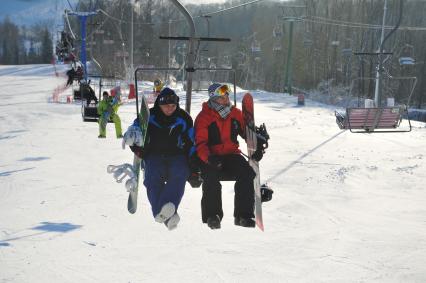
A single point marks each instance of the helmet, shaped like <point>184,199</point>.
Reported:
<point>167,96</point>
<point>158,85</point>
<point>217,90</point>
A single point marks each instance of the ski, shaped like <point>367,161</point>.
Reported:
<point>251,140</point>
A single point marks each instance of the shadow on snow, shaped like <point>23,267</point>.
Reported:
<point>44,227</point>
<point>8,173</point>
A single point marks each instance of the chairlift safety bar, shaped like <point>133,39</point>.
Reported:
<point>144,69</point>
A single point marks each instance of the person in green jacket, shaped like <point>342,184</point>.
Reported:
<point>106,111</point>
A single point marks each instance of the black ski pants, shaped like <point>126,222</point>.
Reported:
<point>236,166</point>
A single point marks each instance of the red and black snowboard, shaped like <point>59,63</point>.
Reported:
<point>251,140</point>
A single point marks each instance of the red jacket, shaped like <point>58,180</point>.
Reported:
<point>215,135</point>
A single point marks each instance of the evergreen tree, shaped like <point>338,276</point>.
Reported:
<point>46,47</point>
<point>32,55</point>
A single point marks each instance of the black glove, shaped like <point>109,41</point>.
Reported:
<point>215,162</point>
<point>137,150</point>
<point>194,163</point>
<point>262,143</point>
<point>257,155</point>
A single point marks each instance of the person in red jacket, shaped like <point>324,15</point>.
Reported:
<point>217,128</point>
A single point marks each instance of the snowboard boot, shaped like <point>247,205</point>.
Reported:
<point>172,222</point>
<point>244,222</point>
<point>166,212</point>
<point>213,222</point>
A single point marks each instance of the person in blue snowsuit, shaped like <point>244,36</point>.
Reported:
<point>168,148</point>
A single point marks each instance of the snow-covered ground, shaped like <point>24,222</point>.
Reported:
<point>346,208</point>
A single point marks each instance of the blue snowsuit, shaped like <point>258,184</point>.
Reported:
<point>168,147</point>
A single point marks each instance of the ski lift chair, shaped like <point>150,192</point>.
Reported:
<point>375,119</point>
<point>407,58</point>
<point>89,112</point>
<point>369,120</point>
<point>406,61</point>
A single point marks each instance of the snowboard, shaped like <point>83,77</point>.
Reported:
<point>251,140</point>
<point>107,114</point>
<point>143,119</point>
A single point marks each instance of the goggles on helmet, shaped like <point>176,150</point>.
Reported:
<point>222,90</point>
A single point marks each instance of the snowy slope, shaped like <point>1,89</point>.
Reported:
<point>347,207</point>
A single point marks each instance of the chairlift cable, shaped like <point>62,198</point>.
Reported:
<point>366,25</point>
<point>69,26</point>
<point>230,8</point>
<point>346,22</point>
<point>120,20</point>
<point>70,5</point>
<point>196,17</point>
<point>395,28</point>
<point>98,28</point>
<point>120,34</point>
<point>340,24</point>
<point>92,8</point>
<point>320,20</point>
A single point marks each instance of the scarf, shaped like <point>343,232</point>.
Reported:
<point>223,110</point>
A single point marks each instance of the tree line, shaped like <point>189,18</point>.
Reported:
<point>25,45</point>
<point>326,35</point>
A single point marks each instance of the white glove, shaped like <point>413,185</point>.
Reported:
<point>133,136</point>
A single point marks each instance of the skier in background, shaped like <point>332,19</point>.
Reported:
<point>106,107</point>
<point>71,75</point>
<point>217,127</point>
<point>75,73</point>
<point>169,145</point>
<point>88,93</point>
<point>158,86</point>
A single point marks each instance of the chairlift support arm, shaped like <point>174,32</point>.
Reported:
<point>377,93</point>
<point>191,55</point>
<point>191,50</point>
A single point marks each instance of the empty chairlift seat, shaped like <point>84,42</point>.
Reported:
<point>386,119</point>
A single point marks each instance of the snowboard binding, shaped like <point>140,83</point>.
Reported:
<point>266,193</point>
<point>262,137</point>
<point>120,172</point>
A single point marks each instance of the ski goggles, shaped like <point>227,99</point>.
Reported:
<point>168,99</point>
<point>222,90</point>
